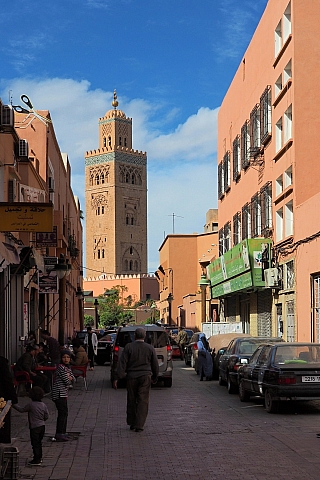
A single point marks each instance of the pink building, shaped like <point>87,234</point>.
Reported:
<point>269,185</point>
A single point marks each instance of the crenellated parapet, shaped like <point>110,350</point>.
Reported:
<point>105,276</point>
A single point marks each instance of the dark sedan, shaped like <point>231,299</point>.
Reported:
<point>105,344</point>
<point>191,351</point>
<point>280,372</point>
<point>238,352</point>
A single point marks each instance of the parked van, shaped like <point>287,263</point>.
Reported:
<point>155,336</point>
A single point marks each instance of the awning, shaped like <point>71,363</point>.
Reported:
<point>8,255</point>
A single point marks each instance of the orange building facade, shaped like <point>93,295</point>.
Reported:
<point>269,176</point>
<point>183,259</point>
<point>35,180</point>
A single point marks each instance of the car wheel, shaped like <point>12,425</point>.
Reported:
<point>167,382</point>
<point>243,394</point>
<point>221,381</point>
<point>272,406</point>
<point>230,386</point>
<point>192,362</point>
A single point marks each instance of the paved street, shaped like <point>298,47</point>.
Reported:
<point>193,429</point>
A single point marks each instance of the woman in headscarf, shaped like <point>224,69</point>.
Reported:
<point>204,358</point>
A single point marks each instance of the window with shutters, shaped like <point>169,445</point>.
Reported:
<point>245,145</point>
<point>236,158</point>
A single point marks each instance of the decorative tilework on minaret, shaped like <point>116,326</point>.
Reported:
<point>116,200</point>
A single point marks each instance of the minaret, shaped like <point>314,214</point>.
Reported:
<point>116,200</point>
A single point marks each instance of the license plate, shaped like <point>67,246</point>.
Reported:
<point>311,379</point>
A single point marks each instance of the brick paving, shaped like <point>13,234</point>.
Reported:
<point>193,429</point>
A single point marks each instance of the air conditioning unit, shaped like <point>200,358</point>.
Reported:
<point>6,116</point>
<point>51,184</point>
<point>23,149</point>
<point>271,277</point>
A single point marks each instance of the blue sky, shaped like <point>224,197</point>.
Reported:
<point>171,62</point>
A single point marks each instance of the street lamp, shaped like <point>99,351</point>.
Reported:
<point>96,304</point>
<point>203,283</point>
<point>80,297</point>
<point>170,300</point>
<point>153,312</point>
<point>63,269</point>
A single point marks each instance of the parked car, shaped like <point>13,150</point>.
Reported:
<point>105,344</point>
<point>239,350</point>
<point>218,344</point>
<point>281,371</point>
<point>174,332</point>
<point>157,337</point>
<point>191,351</point>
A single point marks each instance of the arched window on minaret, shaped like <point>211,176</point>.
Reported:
<point>127,177</point>
<point>103,253</point>
<point>131,251</point>
<point>132,220</point>
<point>120,141</point>
<point>130,265</point>
<point>102,177</point>
<point>102,210</point>
<point>125,141</point>
<point>98,254</point>
<point>97,179</point>
<point>109,141</point>
<point>104,141</point>
<point>127,219</point>
<point>91,180</point>
<point>133,179</point>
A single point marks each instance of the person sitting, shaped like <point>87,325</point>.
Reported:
<point>27,363</point>
<point>42,355</point>
<point>80,357</point>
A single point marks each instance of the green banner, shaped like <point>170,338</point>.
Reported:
<point>239,268</point>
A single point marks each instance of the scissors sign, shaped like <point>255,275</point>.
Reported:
<point>31,112</point>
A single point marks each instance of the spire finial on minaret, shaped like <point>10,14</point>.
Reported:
<point>115,101</point>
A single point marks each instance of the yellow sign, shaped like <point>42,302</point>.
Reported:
<point>26,217</point>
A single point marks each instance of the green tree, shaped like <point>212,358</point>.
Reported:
<point>88,321</point>
<point>112,310</point>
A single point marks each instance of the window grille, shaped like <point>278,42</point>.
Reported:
<point>237,228</point>
<point>290,274</point>
<point>221,242</point>
<point>227,236</point>
<point>236,156</point>
<point>220,181</point>
<point>226,171</point>
<point>246,221</point>
<point>255,215</point>
<point>245,145</point>
<point>265,115</point>
<point>255,142</point>
<point>266,207</point>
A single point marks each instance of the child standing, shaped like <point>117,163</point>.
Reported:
<point>62,380</point>
<point>37,415</point>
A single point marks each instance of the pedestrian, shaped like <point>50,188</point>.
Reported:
<point>91,340</point>
<point>204,358</point>
<point>80,357</point>
<point>53,347</point>
<point>8,392</point>
<point>63,378</point>
<point>139,364</point>
<point>27,363</point>
<point>37,415</point>
<point>182,340</point>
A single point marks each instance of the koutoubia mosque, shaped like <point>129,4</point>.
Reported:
<point>116,211</point>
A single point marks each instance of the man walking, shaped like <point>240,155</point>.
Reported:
<point>182,340</point>
<point>139,363</point>
<point>91,341</point>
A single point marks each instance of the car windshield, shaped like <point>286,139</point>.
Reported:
<point>297,354</point>
<point>157,339</point>
<point>247,347</point>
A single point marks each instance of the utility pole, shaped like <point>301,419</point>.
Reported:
<point>173,215</point>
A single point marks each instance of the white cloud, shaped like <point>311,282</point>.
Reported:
<point>181,163</point>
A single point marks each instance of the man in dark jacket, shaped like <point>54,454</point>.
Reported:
<point>27,363</point>
<point>139,364</point>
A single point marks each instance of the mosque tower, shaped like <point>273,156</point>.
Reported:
<point>116,200</point>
